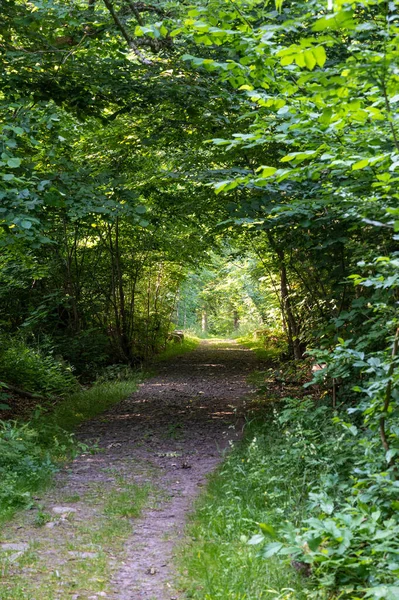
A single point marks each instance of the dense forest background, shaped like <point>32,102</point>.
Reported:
<point>222,167</point>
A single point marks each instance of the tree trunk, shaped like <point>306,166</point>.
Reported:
<point>293,328</point>
<point>204,321</point>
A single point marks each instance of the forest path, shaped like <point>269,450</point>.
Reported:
<point>165,438</point>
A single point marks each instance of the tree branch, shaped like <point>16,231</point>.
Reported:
<point>24,393</point>
<point>136,12</point>
<point>126,34</point>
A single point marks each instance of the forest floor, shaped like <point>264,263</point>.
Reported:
<point>111,524</point>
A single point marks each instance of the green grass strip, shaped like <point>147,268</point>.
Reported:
<point>176,349</point>
<point>87,404</point>
<point>258,346</point>
<point>249,488</point>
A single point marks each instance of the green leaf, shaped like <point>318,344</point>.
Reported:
<point>256,539</point>
<point>391,454</point>
<point>268,529</point>
<point>299,156</point>
<point>339,20</point>
<point>13,163</point>
<point>26,224</point>
<point>272,549</point>
<point>320,55</point>
<point>314,543</point>
<point>267,171</point>
<point>361,164</point>
<point>386,592</point>
<point>310,60</point>
<point>287,60</point>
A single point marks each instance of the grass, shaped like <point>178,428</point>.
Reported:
<point>78,561</point>
<point>89,403</point>
<point>271,352</point>
<point>249,488</point>
<point>128,502</point>
<point>30,453</point>
<point>175,349</point>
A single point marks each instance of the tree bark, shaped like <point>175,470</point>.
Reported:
<point>293,328</point>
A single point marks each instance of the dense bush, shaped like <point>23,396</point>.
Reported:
<point>347,535</point>
<point>33,369</point>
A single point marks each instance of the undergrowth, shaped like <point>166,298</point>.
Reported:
<point>31,452</point>
<point>33,369</point>
<point>267,344</point>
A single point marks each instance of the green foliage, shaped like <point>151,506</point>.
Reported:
<point>98,219</point>
<point>310,184</point>
<point>33,369</point>
<point>108,205</point>
<point>228,297</point>
<point>30,453</point>
<point>346,533</point>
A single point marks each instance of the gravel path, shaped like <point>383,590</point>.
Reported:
<point>171,433</point>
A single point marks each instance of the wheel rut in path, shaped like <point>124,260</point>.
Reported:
<point>171,432</point>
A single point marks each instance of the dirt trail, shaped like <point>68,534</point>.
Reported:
<point>172,432</point>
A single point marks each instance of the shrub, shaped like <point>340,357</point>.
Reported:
<point>347,536</point>
<point>33,369</point>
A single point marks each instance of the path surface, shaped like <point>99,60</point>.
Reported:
<point>172,432</point>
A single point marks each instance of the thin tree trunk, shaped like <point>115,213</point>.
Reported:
<point>292,325</point>
<point>204,321</point>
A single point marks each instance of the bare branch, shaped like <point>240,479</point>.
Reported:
<point>136,12</point>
